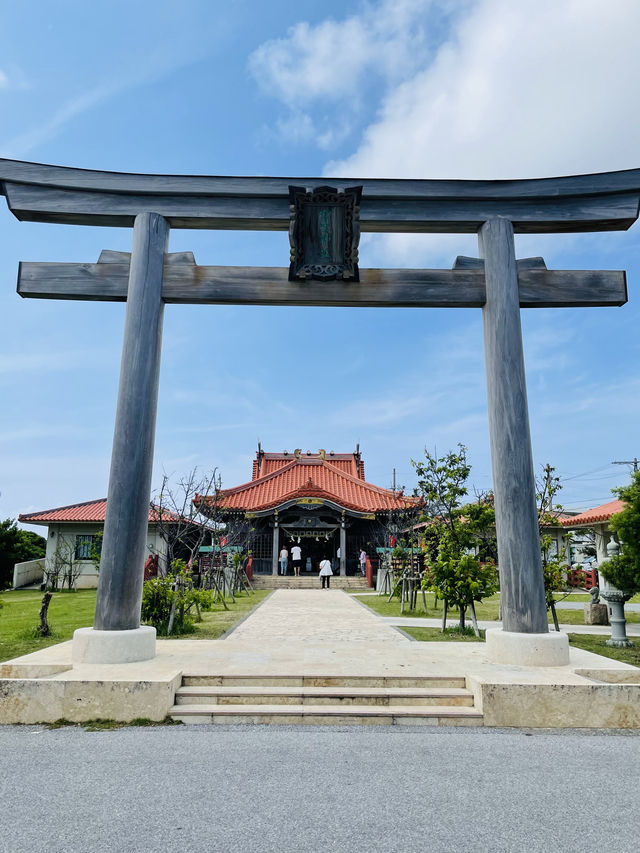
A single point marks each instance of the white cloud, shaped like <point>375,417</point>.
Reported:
<point>328,60</point>
<point>520,89</point>
<point>4,80</point>
<point>335,60</point>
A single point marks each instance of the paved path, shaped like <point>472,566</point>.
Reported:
<point>315,616</point>
<point>188,789</point>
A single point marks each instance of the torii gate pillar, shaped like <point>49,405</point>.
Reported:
<point>524,638</point>
<point>117,635</point>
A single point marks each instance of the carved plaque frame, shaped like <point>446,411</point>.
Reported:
<point>324,233</point>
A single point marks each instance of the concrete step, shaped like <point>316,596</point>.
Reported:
<point>280,582</point>
<point>310,696</point>
<point>400,715</point>
<point>340,681</point>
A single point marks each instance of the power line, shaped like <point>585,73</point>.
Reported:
<point>633,462</point>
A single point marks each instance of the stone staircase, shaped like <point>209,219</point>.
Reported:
<point>308,582</point>
<point>315,700</point>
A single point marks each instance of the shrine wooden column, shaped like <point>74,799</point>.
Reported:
<point>276,546</point>
<point>521,582</point>
<point>125,530</point>
<point>343,549</point>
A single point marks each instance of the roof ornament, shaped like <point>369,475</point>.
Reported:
<point>297,452</point>
<point>322,453</point>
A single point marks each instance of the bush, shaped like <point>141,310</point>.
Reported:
<point>173,594</point>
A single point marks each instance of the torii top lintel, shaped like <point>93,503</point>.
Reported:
<point>599,202</point>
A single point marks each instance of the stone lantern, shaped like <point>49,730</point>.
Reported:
<point>615,599</point>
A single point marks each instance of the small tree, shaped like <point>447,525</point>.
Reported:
<point>623,571</point>
<point>62,566</point>
<point>167,601</point>
<point>455,572</point>
<point>182,526</point>
<point>553,561</point>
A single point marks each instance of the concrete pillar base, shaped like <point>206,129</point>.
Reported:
<point>91,646</point>
<point>509,647</point>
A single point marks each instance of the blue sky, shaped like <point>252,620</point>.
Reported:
<point>411,88</point>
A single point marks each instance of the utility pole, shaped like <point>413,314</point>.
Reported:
<point>550,484</point>
<point>633,462</point>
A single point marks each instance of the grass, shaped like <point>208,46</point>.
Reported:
<point>485,610</point>
<point>19,619</point>
<point>435,635</point>
<point>70,610</point>
<point>102,725</point>
<point>598,645</point>
<point>215,622</point>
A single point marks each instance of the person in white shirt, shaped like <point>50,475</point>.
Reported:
<point>284,559</point>
<point>296,554</point>
<point>325,572</point>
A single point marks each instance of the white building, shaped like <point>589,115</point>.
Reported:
<point>73,533</point>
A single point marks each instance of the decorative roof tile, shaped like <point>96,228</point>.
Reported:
<point>90,511</point>
<point>593,516</point>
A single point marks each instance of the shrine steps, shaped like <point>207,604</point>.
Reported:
<point>309,582</point>
<point>316,700</point>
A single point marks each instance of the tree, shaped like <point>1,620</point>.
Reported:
<point>623,571</point>
<point>62,566</point>
<point>182,526</point>
<point>17,546</point>
<point>553,561</point>
<point>455,571</point>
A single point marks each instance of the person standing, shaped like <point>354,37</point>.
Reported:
<point>296,555</point>
<point>363,562</point>
<point>325,573</point>
<point>284,559</point>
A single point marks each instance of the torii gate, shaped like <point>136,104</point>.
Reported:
<point>149,277</point>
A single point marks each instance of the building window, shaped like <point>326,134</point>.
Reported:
<point>84,546</point>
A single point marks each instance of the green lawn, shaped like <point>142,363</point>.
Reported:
<point>598,645</point>
<point>435,635</point>
<point>487,609</point>
<point>71,610</point>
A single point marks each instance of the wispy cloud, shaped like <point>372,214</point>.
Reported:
<point>149,68</point>
<point>51,361</point>
<point>335,60</point>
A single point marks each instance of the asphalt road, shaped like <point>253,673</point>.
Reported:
<point>177,789</point>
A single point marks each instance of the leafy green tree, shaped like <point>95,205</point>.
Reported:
<point>456,572</point>
<point>17,546</point>
<point>623,571</point>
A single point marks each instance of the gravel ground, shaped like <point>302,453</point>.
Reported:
<point>255,788</point>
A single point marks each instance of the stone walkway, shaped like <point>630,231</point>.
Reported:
<point>324,616</point>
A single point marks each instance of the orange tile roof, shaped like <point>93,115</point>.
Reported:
<point>312,476</point>
<point>93,511</point>
<point>267,463</point>
<point>592,516</point>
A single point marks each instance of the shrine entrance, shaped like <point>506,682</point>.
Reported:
<point>324,225</point>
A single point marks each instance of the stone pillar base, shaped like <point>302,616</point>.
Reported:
<point>509,647</point>
<point>596,614</point>
<point>92,646</point>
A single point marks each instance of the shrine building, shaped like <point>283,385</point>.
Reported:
<point>320,501</point>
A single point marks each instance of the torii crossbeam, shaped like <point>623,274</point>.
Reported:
<point>149,277</point>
